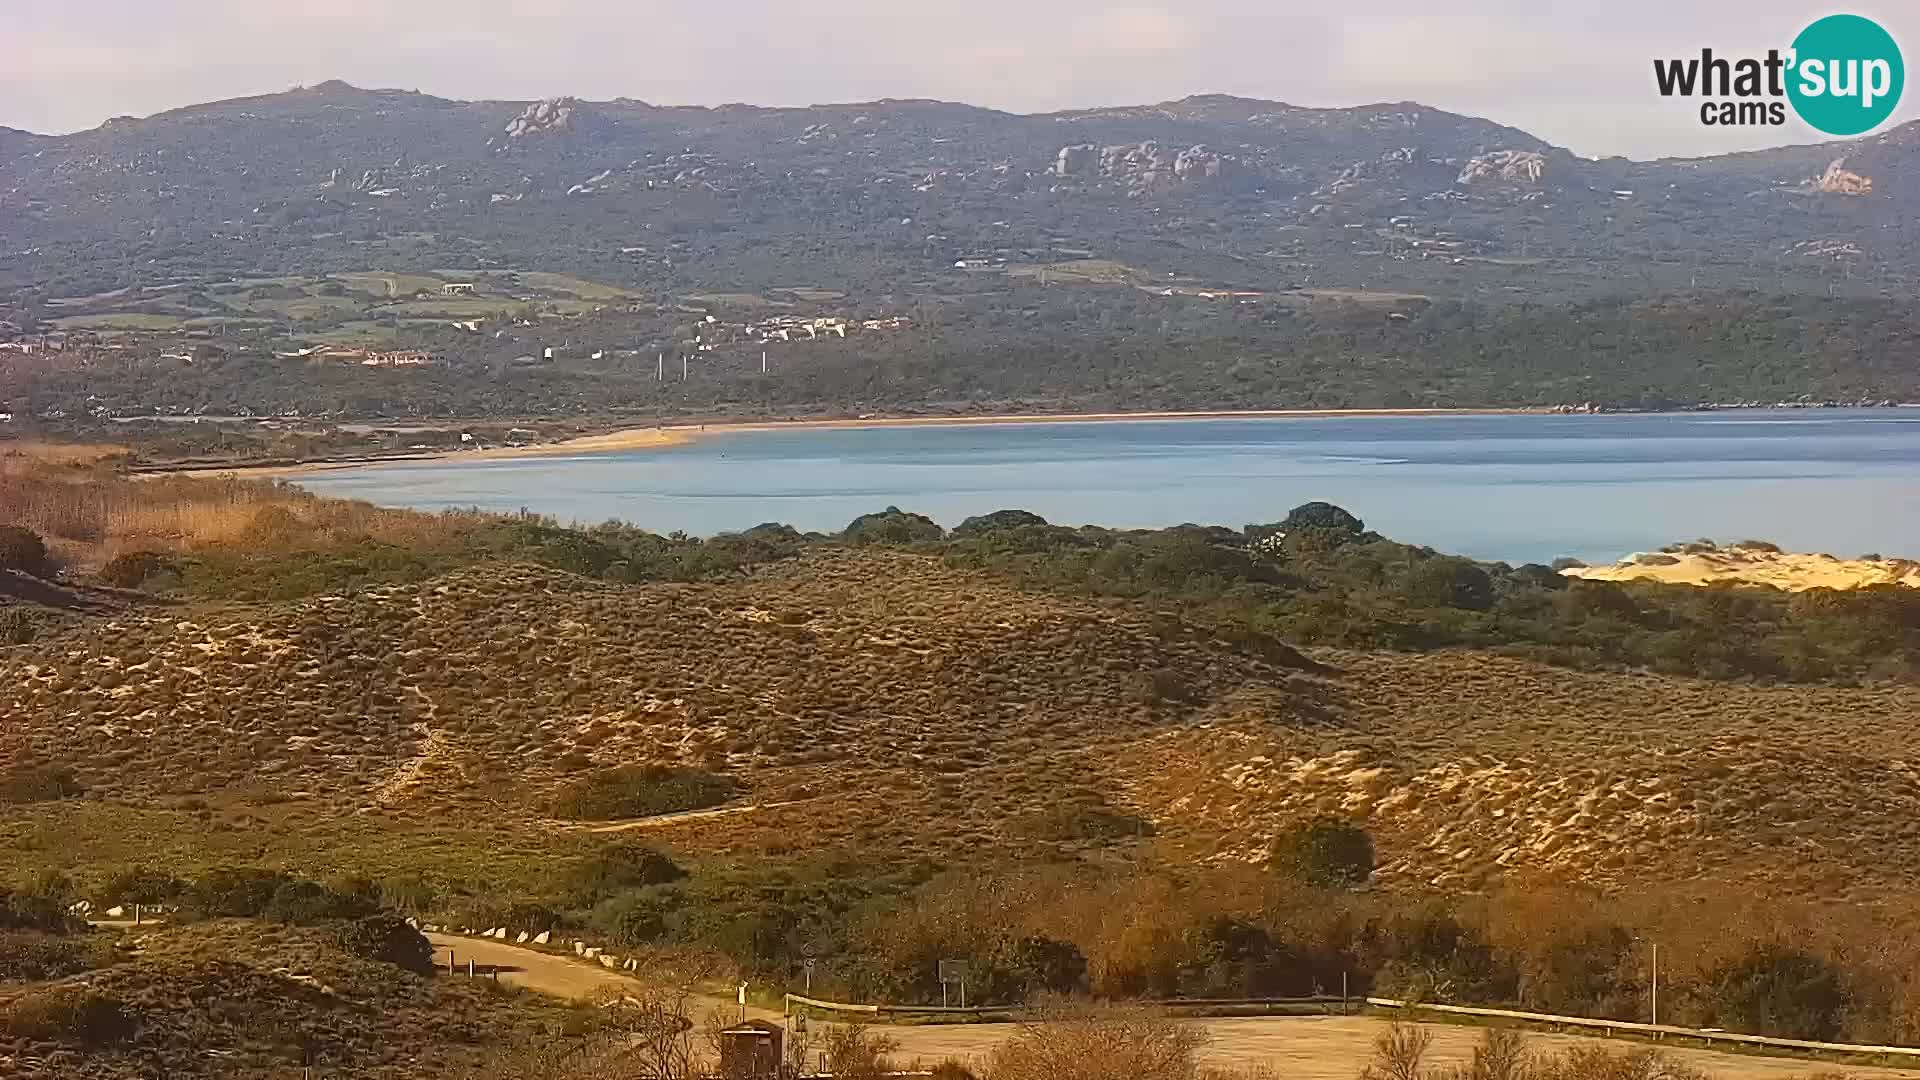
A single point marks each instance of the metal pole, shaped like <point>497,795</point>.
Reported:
<point>1656,983</point>
<point>469,969</point>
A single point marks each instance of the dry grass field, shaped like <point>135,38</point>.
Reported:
<point>883,701</point>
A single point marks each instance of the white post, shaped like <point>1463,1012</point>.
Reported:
<point>1656,983</point>
<point>659,367</point>
<point>763,361</point>
<point>683,367</point>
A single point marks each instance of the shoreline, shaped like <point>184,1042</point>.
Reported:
<point>679,433</point>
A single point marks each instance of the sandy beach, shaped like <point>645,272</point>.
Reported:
<point>663,435</point>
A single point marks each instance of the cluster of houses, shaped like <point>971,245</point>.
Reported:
<point>349,354</point>
<point>792,328</point>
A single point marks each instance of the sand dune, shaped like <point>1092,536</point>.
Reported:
<point>1752,565</point>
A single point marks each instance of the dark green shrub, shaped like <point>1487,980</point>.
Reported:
<point>19,625</point>
<point>637,918</point>
<point>1449,582</point>
<point>33,909</point>
<point>135,568</point>
<point>35,956</point>
<point>305,903</point>
<point>1326,852</point>
<point>1322,515</point>
<point>999,519</point>
<point>621,865</point>
<point>138,885</point>
<point>892,526</point>
<point>632,791</point>
<point>22,549</point>
<point>34,783</point>
<point>73,1015</point>
<point>1776,989</point>
<point>388,939</point>
<point>1431,956</point>
<point>236,894</point>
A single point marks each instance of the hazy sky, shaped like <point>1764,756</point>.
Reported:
<point>1575,72</point>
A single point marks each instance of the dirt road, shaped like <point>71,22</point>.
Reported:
<point>561,976</point>
<point>1298,1047</point>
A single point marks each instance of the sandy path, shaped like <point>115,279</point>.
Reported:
<point>1297,1047</point>
<point>1335,1047</point>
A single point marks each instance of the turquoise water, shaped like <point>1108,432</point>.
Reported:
<point>1518,488</point>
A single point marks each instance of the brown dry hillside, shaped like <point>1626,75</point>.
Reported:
<point>886,701</point>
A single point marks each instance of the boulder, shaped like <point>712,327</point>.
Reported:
<point>632,964</point>
<point>579,948</point>
<point>591,953</point>
<point>609,961</point>
<point>116,912</point>
<point>543,937</point>
<point>521,938</point>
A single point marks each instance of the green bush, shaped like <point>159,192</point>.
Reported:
<point>19,625</point>
<point>641,917</point>
<point>35,955</point>
<point>138,885</point>
<point>39,908</point>
<point>387,938</point>
<point>73,1015</point>
<point>234,893</point>
<point>1322,515</point>
<point>621,865</point>
<point>34,783</point>
<point>1326,852</point>
<point>892,526</point>
<point>999,519</point>
<point>305,903</point>
<point>22,549</point>
<point>1776,989</point>
<point>136,568</point>
<point>632,791</point>
<point>1449,582</point>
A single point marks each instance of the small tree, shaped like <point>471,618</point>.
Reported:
<point>1327,852</point>
<point>389,939</point>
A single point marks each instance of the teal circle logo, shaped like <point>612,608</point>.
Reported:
<point>1847,75</point>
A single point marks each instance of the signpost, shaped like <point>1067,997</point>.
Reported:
<point>953,971</point>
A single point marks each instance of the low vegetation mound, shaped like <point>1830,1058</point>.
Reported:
<point>633,791</point>
<point>229,999</point>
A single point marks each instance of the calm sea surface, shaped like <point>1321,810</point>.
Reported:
<point>1518,488</point>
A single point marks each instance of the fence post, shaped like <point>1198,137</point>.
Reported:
<point>450,970</point>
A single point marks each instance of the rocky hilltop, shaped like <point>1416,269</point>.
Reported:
<point>1262,193</point>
